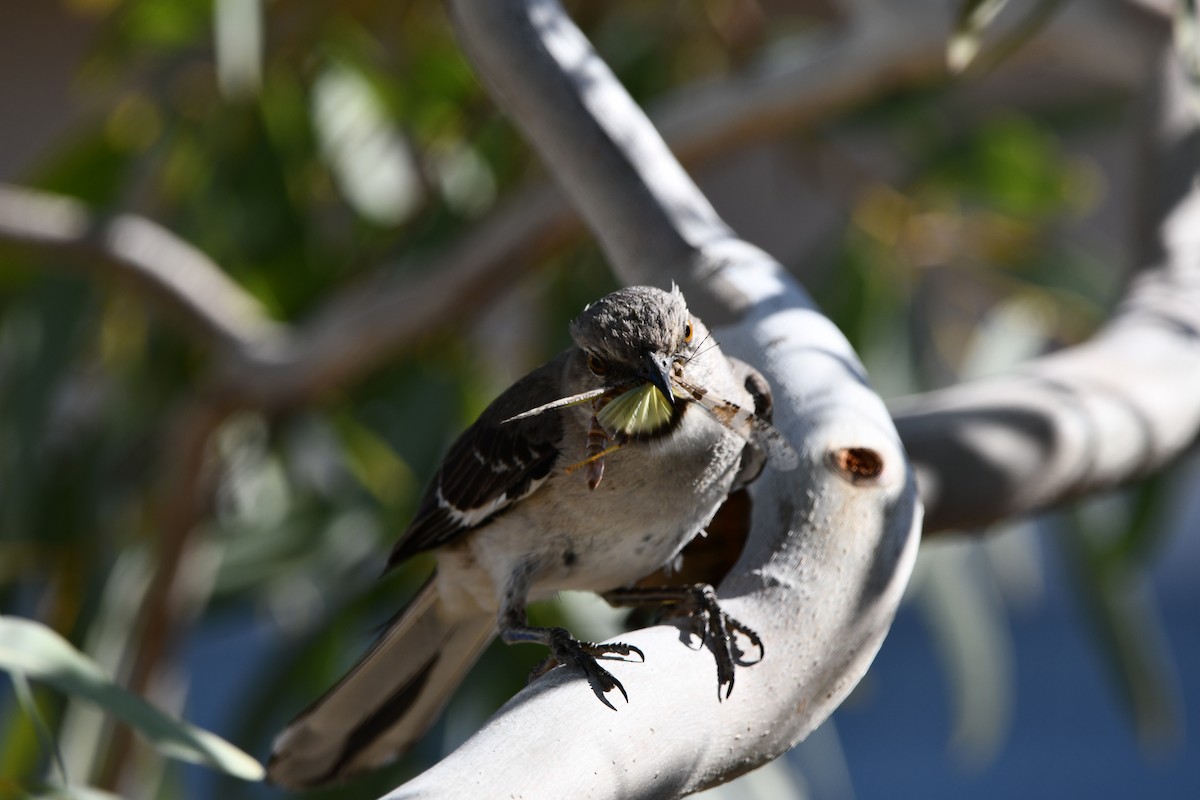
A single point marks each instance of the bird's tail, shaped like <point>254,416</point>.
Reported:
<point>387,701</point>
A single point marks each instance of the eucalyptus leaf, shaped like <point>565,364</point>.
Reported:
<point>1187,47</point>
<point>973,18</point>
<point>76,793</point>
<point>31,649</point>
<point>1124,616</point>
<point>25,699</point>
<point>370,157</point>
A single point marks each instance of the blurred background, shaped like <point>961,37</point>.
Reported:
<point>951,225</point>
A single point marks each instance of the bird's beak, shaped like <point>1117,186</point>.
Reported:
<point>656,368</point>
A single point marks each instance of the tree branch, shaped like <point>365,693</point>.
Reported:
<point>363,326</point>
<point>830,546</point>
<point>655,225</point>
<point>272,366</point>
<point>1058,427</point>
<point>1090,417</point>
<point>174,274</point>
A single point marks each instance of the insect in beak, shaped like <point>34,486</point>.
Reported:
<point>656,368</point>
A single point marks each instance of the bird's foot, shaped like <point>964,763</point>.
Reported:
<point>704,620</point>
<point>583,656</point>
<point>718,630</point>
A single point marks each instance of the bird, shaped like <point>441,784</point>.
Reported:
<point>589,473</point>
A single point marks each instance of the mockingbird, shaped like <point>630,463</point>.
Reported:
<point>591,472</point>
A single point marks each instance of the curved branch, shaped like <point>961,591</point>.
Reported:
<point>135,250</point>
<point>830,549</point>
<point>361,327</point>
<point>1090,417</point>
<point>898,44</point>
<point>1062,426</point>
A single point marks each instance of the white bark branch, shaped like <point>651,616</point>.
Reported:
<point>1098,415</point>
<point>900,45</point>
<point>824,567</point>
<point>830,550</point>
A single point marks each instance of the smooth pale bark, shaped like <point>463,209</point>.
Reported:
<point>1095,416</point>
<point>827,556</point>
<point>832,542</point>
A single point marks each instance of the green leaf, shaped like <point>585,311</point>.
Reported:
<point>973,18</point>
<point>369,156</point>
<point>75,793</point>
<point>30,648</point>
<point>1123,614</point>
<point>1187,47</point>
<point>976,15</point>
<point>29,705</point>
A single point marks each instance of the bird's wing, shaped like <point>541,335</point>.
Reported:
<point>492,465</point>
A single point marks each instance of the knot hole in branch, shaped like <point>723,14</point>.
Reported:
<point>859,465</point>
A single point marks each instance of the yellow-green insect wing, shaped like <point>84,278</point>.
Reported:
<point>637,411</point>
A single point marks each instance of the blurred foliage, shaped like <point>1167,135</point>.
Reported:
<point>1187,45</point>
<point>349,138</point>
<point>29,649</point>
<point>975,17</point>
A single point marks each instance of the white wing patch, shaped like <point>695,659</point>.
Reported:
<point>470,517</point>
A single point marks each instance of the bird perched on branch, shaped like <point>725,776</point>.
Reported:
<point>591,472</point>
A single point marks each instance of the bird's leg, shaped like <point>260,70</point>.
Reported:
<point>564,649</point>
<point>706,621</point>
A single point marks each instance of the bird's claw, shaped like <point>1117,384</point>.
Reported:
<point>718,631</point>
<point>583,656</point>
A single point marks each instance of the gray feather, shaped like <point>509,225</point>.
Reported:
<point>386,702</point>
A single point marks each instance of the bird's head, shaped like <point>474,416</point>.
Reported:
<point>637,337</point>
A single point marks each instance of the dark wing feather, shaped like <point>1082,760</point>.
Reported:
<point>492,465</point>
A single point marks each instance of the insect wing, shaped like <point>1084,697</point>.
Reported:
<point>639,410</point>
<point>746,424</point>
<point>562,402</point>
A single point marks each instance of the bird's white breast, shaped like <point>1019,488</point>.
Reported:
<point>654,498</point>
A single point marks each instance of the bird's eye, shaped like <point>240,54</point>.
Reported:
<point>687,332</point>
<point>596,365</point>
